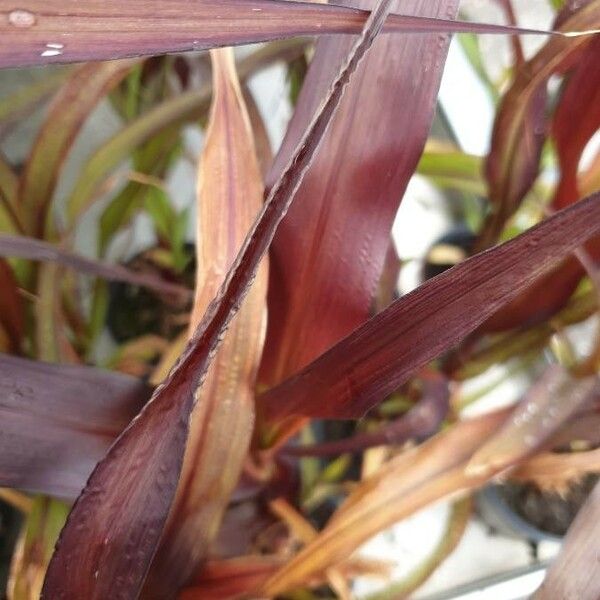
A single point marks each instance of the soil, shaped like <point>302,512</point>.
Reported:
<point>10,524</point>
<point>548,511</point>
<point>135,311</point>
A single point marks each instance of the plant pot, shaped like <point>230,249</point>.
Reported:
<point>523,511</point>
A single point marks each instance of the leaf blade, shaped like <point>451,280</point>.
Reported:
<point>377,357</point>
<point>34,249</point>
<point>67,113</point>
<point>574,574</point>
<point>49,443</point>
<point>80,33</point>
<point>322,284</point>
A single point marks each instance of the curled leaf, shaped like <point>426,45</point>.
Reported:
<point>576,120</point>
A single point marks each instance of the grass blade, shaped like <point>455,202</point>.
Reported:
<point>34,249</point>
<point>69,110</point>
<point>230,195</point>
<point>357,373</point>
<point>170,113</point>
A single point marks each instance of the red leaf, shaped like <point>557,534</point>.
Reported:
<point>11,311</point>
<point>576,120</point>
<point>327,257</point>
<point>49,31</point>
<point>419,423</point>
<point>58,421</point>
<point>235,578</point>
<point>519,128</point>
<point>357,373</point>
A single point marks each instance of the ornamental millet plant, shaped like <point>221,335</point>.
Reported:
<point>203,458</point>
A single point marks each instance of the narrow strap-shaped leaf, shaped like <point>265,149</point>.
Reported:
<point>231,578</point>
<point>23,101</point>
<point>9,187</point>
<point>557,471</point>
<point>34,548</point>
<point>328,255</point>
<point>57,421</point>
<point>34,249</point>
<point>38,32</point>
<point>68,111</point>
<point>576,120</point>
<point>453,169</point>
<point>50,326</point>
<point>419,423</point>
<point>574,573</point>
<point>115,526</point>
<point>357,373</point>
<point>546,407</point>
<point>230,195</point>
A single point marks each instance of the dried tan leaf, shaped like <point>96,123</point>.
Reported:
<point>405,484</point>
<point>554,398</point>
<point>554,472</point>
